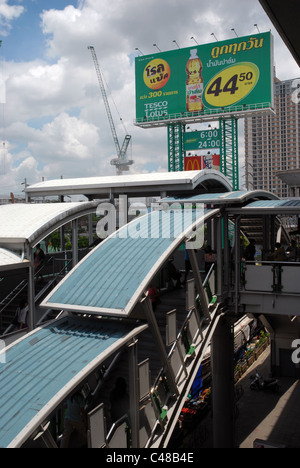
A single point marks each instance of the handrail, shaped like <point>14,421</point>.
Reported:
<point>19,290</point>
<point>14,296</point>
<point>207,113</point>
<point>270,262</point>
<point>282,278</point>
<point>179,334</point>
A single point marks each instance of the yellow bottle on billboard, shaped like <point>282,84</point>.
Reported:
<point>194,83</point>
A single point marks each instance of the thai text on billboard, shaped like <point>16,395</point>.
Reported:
<point>232,76</point>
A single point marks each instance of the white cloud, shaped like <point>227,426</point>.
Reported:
<point>7,14</point>
<point>54,117</point>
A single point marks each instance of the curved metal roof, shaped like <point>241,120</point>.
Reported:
<point>290,177</point>
<point>217,199</point>
<point>134,185</point>
<point>111,279</point>
<point>72,349</point>
<point>274,207</point>
<point>29,223</point>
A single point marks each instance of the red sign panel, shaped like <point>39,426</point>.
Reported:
<point>197,163</point>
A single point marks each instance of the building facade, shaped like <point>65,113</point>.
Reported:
<point>272,142</point>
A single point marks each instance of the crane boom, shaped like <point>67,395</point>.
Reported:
<point>120,162</point>
<point>106,103</point>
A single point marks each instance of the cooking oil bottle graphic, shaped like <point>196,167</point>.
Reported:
<point>194,83</point>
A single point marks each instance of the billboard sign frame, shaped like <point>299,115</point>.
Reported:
<point>234,78</point>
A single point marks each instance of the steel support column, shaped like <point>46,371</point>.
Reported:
<point>198,282</point>
<point>227,263</point>
<point>75,241</point>
<point>223,384</point>
<point>31,318</point>
<point>147,306</point>
<point>134,394</point>
<point>175,147</point>
<point>229,150</point>
<point>237,263</point>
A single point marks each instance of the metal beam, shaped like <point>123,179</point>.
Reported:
<point>134,394</point>
<point>147,306</point>
<point>199,284</point>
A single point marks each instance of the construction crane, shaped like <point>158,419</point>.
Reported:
<point>121,162</point>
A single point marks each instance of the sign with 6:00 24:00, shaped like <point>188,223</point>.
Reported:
<point>202,140</point>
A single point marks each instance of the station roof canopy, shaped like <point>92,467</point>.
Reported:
<point>289,207</point>
<point>113,277</point>
<point>42,368</point>
<point>27,224</point>
<point>290,177</point>
<point>285,17</point>
<point>11,261</point>
<point>229,198</point>
<point>134,185</point>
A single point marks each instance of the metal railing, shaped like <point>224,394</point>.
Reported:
<point>189,117</point>
<point>180,355</point>
<point>271,277</point>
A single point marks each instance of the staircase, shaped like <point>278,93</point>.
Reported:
<point>10,304</point>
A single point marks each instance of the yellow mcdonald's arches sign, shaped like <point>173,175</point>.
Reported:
<point>197,163</point>
<point>193,163</point>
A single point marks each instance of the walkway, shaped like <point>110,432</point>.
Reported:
<point>269,417</point>
<point>263,416</point>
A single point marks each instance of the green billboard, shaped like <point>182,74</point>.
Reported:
<point>202,140</point>
<point>207,80</point>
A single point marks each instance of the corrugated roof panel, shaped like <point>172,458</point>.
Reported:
<point>223,198</point>
<point>25,222</point>
<point>274,203</point>
<point>41,369</point>
<point>8,258</point>
<point>110,276</point>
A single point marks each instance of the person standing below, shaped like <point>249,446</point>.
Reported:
<point>153,296</point>
<point>75,422</point>
<point>279,254</point>
<point>39,258</point>
<point>22,312</point>
<point>292,251</point>
<point>187,265</point>
<point>250,251</point>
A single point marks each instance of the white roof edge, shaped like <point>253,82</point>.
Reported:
<point>52,215</point>
<point>147,179</point>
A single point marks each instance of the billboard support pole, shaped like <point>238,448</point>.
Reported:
<point>229,150</point>
<point>175,147</point>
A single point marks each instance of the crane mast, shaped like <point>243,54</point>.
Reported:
<point>121,163</point>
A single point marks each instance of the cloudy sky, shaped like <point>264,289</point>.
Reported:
<point>53,122</point>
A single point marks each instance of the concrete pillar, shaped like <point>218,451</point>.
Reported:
<point>223,385</point>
